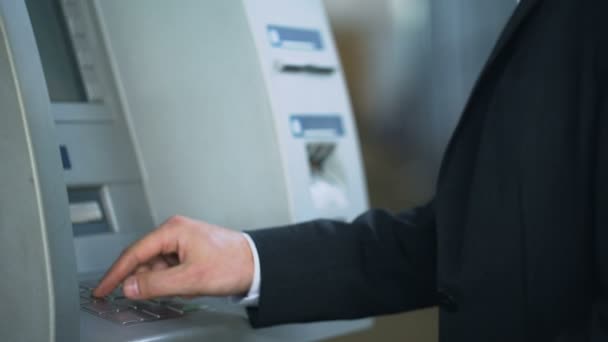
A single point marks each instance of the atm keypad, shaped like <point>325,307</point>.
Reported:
<point>118,309</point>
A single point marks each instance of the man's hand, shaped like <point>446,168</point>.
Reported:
<point>183,257</point>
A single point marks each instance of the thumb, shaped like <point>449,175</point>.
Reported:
<point>162,283</point>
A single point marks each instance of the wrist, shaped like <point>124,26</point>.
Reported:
<point>247,269</point>
<point>253,294</point>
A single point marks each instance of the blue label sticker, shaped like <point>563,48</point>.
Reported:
<point>294,38</point>
<point>65,157</point>
<point>316,126</point>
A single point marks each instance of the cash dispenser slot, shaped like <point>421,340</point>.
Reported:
<point>87,211</point>
<point>327,177</point>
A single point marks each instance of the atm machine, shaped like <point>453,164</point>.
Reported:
<point>118,114</point>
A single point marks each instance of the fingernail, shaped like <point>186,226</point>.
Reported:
<point>130,287</point>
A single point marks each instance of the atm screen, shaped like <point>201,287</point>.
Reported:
<point>57,53</point>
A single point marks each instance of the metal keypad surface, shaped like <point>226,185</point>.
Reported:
<point>120,310</point>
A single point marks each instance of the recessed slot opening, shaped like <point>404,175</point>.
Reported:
<point>327,177</point>
<point>87,211</point>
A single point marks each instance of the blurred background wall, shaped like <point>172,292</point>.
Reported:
<point>410,66</point>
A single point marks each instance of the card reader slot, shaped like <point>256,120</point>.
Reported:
<point>305,68</point>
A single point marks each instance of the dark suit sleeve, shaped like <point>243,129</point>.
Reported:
<point>326,270</point>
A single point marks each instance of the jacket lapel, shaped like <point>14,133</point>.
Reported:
<point>523,10</point>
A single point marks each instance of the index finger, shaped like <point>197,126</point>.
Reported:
<point>142,251</point>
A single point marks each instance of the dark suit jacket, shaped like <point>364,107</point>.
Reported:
<point>514,246</point>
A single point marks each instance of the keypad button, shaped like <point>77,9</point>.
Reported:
<point>129,317</point>
<point>158,311</point>
<point>161,300</point>
<point>115,295</point>
<point>100,308</point>
<point>85,300</point>
<point>183,308</point>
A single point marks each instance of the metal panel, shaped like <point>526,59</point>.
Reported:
<point>199,112</point>
<point>38,288</point>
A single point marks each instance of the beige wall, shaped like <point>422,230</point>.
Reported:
<point>382,44</point>
<point>385,46</point>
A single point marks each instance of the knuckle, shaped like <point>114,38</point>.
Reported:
<point>177,220</point>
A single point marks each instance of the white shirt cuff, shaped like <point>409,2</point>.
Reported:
<point>253,295</point>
